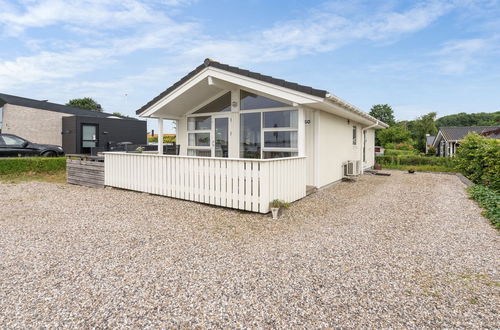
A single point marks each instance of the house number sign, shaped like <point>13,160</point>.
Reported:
<point>308,121</point>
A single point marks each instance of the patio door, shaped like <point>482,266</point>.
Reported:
<point>220,135</point>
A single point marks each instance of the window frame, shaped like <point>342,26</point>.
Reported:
<point>354,135</point>
<point>194,131</point>
<point>263,148</point>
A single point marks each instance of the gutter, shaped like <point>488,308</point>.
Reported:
<point>335,99</point>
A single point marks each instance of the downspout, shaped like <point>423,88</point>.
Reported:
<point>363,142</point>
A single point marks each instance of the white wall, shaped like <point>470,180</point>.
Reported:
<point>335,147</point>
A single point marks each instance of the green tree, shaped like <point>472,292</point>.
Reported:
<point>384,113</point>
<point>470,119</point>
<point>421,126</point>
<point>119,114</point>
<point>85,103</point>
<point>394,134</point>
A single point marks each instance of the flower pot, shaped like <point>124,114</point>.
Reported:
<point>275,211</point>
<point>377,167</point>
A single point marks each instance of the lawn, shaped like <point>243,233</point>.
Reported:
<point>55,176</point>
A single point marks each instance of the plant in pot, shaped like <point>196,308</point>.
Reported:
<point>411,170</point>
<point>276,205</point>
<point>139,149</point>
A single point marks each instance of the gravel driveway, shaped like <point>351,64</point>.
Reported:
<point>399,251</point>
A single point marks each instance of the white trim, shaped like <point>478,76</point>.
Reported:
<point>246,82</point>
<point>269,109</point>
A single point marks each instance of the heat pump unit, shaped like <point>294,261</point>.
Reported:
<point>351,168</point>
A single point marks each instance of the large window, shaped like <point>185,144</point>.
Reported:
<point>221,104</point>
<point>199,129</point>
<point>269,134</point>
<point>251,101</point>
<point>250,131</point>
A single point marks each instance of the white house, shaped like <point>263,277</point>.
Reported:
<point>247,139</point>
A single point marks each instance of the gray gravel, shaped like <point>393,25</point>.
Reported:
<point>399,251</point>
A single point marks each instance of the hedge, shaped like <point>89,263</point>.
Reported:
<point>31,164</point>
<point>488,199</point>
<point>414,160</point>
<point>397,152</point>
<point>478,158</point>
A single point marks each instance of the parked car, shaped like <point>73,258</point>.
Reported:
<point>14,146</point>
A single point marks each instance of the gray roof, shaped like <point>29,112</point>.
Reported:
<point>458,133</point>
<point>430,140</point>
<point>493,133</point>
<point>44,105</point>
<point>211,63</point>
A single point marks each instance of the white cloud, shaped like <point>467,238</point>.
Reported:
<point>456,57</point>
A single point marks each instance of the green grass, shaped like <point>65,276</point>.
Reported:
<point>55,176</point>
<point>422,168</point>
<point>489,200</point>
<point>32,164</point>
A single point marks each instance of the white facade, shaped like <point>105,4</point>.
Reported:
<point>239,119</point>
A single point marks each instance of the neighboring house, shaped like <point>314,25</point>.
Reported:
<point>429,141</point>
<point>492,134</point>
<point>246,139</point>
<point>76,130</point>
<point>448,138</point>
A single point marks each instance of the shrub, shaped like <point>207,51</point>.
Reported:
<point>488,199</point>
<point>478,158</point>
<point>166,139</point>
<point>431,151</point>
<point>34,164</point>
<point>395,152</point>
<point>414,160</point>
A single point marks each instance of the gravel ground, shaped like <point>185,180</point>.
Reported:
<point>399,251</point>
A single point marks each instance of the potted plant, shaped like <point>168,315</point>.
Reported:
<point>276,205</point>
<point>139,149</point>
<point>411,170</point>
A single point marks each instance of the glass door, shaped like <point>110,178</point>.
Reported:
<point>220,133</point>
<point>89,138</point>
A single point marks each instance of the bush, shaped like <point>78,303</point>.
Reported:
<point>488,199</point>
<point>395,152</point>
<point>431,151</point>
<point>166,139</point>
<point>478,158</point>
<point>34,164</point>
<point>414,160</point>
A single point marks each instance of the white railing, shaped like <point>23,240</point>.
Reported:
<point>245,184</point>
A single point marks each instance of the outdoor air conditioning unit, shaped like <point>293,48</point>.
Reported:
<point>351,168</point>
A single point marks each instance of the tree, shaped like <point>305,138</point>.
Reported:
<point>394,134</point>
<point>119,114</point>
<point>85,103</point>
<point>470,119</point>
<point>383,112</point>
<point>421,126</point>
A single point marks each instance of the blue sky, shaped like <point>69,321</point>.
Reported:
<point>417,56</point>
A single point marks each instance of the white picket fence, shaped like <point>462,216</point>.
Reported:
<point>245,184</point>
